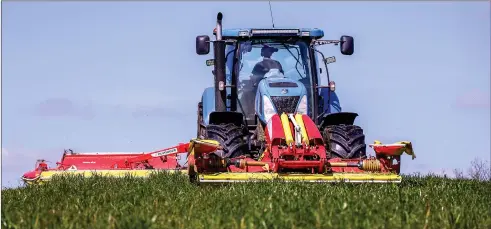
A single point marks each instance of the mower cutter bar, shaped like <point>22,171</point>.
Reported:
<point>288,177</point>
<point>140,173</point>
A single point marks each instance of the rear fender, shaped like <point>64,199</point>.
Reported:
<point>347,118</point>
<point>208,100</point>
<point>217,117</point>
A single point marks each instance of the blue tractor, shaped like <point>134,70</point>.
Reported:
<point>262,72</point>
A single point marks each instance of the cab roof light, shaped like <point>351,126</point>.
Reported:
<point>244,33</point>
<point>275,31</point>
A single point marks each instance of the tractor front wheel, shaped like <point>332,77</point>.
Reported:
<point>344,141</point>
<point>232,138</point>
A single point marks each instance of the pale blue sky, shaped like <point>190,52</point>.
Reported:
<point>124,76</point>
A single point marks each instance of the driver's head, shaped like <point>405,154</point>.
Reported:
<point>267,51</point>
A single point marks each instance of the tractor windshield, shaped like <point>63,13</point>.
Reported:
<point>260,59</point>
<point>291,59</point>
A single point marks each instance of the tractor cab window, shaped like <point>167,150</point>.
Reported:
<point>259,60</point>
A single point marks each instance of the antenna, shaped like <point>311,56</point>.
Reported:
<point>271,12</point>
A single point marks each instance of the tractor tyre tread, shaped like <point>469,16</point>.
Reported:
<point>345,141</point>
<point>231,138</point>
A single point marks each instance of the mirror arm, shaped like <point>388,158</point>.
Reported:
<point>230,41</point>
<point>325,42</point>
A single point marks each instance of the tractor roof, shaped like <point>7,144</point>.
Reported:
<point>271,32</point>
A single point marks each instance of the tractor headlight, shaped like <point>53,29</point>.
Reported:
<point>268,108</point>
<point>302,107</point>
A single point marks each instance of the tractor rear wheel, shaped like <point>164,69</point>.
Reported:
<point>344,141</point>
<point>232,138</point>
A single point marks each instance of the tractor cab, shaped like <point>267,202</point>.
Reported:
<point>260,74</point>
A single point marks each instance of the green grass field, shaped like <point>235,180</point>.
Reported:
<point>169,201</point>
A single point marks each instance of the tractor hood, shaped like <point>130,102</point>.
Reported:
<point>279,86</point>
<point>277,95</point>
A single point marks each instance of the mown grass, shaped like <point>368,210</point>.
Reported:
<point>170,201</point>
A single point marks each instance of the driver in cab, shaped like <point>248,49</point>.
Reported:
<point>263,67</point>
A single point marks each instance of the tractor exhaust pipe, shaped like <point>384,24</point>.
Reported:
<point>219,26</point>
<point>219,50</point>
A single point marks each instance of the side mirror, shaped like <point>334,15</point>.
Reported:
<point>202,45</point>
<point>347,45</point>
